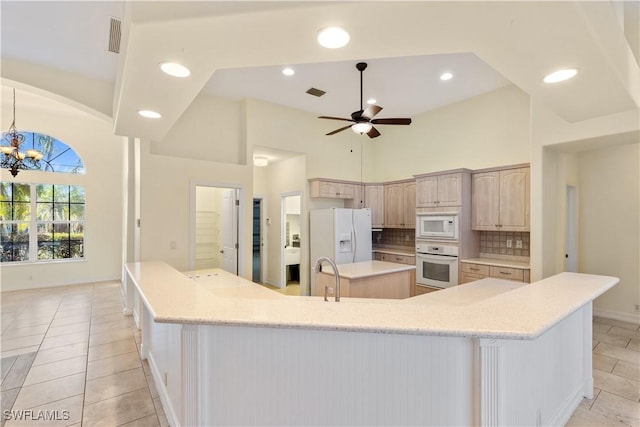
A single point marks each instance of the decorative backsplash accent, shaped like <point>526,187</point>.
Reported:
<point>395,237</point>
<point>495,242</point>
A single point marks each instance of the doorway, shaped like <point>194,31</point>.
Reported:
<point>215,229</point>
<point>290,220</point>
<point>571,230</point>
<point>258,255</point>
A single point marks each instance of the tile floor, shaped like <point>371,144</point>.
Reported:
<point>70,355</point>
<point>71,350</point>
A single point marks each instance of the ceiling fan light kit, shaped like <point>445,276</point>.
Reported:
<point>362,119</point>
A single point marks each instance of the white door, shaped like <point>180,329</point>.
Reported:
<point>230,232</point>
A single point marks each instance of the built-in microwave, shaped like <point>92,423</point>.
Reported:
<point>442,226</point>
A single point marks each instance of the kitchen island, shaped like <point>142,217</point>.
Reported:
<point>225,351</point>
<point>367,279</point>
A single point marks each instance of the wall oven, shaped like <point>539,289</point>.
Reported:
<point>441,226</point>
<point>436,265</point>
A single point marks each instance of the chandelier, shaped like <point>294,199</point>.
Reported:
<point>14,159</point>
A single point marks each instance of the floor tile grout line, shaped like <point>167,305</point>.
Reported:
<point>118,395</point>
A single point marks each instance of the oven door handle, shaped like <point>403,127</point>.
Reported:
<point>445,258</point>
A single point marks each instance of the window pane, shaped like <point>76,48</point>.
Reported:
<point>61,250</point>
<point>21,192</point>
<point>61,212</point>
<point>44,193</point>
<point>45,211</point>
<point>77,194</point>
<point>5,191</point>
<point>77,232</point>
<point>77,249</point>
<point>45,250</point>
<point>61,193</point>
<point>14,239</point>
<point>5,211</point>
<point>60,232</point>
<point>21,211</point>
<point>45,233</point>
<point>77,212</point>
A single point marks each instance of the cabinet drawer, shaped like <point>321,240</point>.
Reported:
<point>507,273</point>
<point>421,290</point>
<point>400,259</point>
<point>470,277</point>
<point>466,267</point>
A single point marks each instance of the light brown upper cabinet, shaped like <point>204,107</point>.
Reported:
<point>331,189</point>
<point>439,190</point>
<point>500,200</point>
<point>374,199</point>
<point>400,205</point>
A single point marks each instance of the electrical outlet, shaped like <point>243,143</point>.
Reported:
<point>509,243</point>
<point>173,244</point>
<point>637,307</point>
<point>518,244</point>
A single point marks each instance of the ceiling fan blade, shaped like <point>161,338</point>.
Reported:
<point>371,111</point>
<point>339,130</point>
<point>373,133</point>
<point>335,118</point>
<point>391,121</point>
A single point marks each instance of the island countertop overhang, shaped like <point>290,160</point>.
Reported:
<point>505,310</point>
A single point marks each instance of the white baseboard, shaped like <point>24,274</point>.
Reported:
<point>26,287</point>
<point>162,391</point>
<point>616,315</point>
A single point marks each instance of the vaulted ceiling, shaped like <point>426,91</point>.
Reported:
<point>237,49</point>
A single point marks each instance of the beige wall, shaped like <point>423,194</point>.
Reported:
<point>609,189</point>
<point>90,135</point>
<point>488,130</point>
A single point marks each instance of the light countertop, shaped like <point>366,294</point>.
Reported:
<point>358,270</point>
<point>498,262</point>
<point>487,308</point>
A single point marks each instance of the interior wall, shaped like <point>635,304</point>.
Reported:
<point>487,130</point>
<point>91,136</point>
<point>208,130</point>
<point>609,227</point>
<point>165,203</point>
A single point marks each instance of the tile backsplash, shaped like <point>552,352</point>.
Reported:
<point>495,242</point>
<point>394,237</point>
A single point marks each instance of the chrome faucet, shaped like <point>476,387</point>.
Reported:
<point>333,265</point>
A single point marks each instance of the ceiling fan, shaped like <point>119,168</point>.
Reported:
<point>363,120</point>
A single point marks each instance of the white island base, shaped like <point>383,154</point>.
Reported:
<point>224,351</point>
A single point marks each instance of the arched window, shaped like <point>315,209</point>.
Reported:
<point>40,222</point>
<point>58,156</point>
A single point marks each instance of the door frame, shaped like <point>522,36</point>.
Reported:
<point>571,230</point>
<point>242,214</point>
<point>283,232</point>
<point>263,237</point>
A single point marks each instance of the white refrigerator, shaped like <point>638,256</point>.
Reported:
<point>343,235</point>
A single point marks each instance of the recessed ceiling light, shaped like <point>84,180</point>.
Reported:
<point>333,37</point>
<point>371,101</point>
<point>149,114</point>
<point>446,76</point>
<point>288,71</point>
<point>560,75</point>
<point>174,69</point>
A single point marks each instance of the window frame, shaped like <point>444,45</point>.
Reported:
<point>33,226</point>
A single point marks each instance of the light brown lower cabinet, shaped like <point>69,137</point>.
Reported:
<point>400,259</point>
<point>472,271</point>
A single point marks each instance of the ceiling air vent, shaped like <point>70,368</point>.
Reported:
<point>114,34</point>
<point>316,92</point>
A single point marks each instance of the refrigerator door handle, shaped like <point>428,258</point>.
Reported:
<point>354,239</point>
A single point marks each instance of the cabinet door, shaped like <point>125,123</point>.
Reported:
<point>393,211</point>
<point>358,198</point>
<point>374,199</point>
<point>427,191</point>
<point>485,200</point>
<point>450,190</point>
<point>345,191</point>
<point>514,200</point>
<point>409,205</point>
<point>327,189</point>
